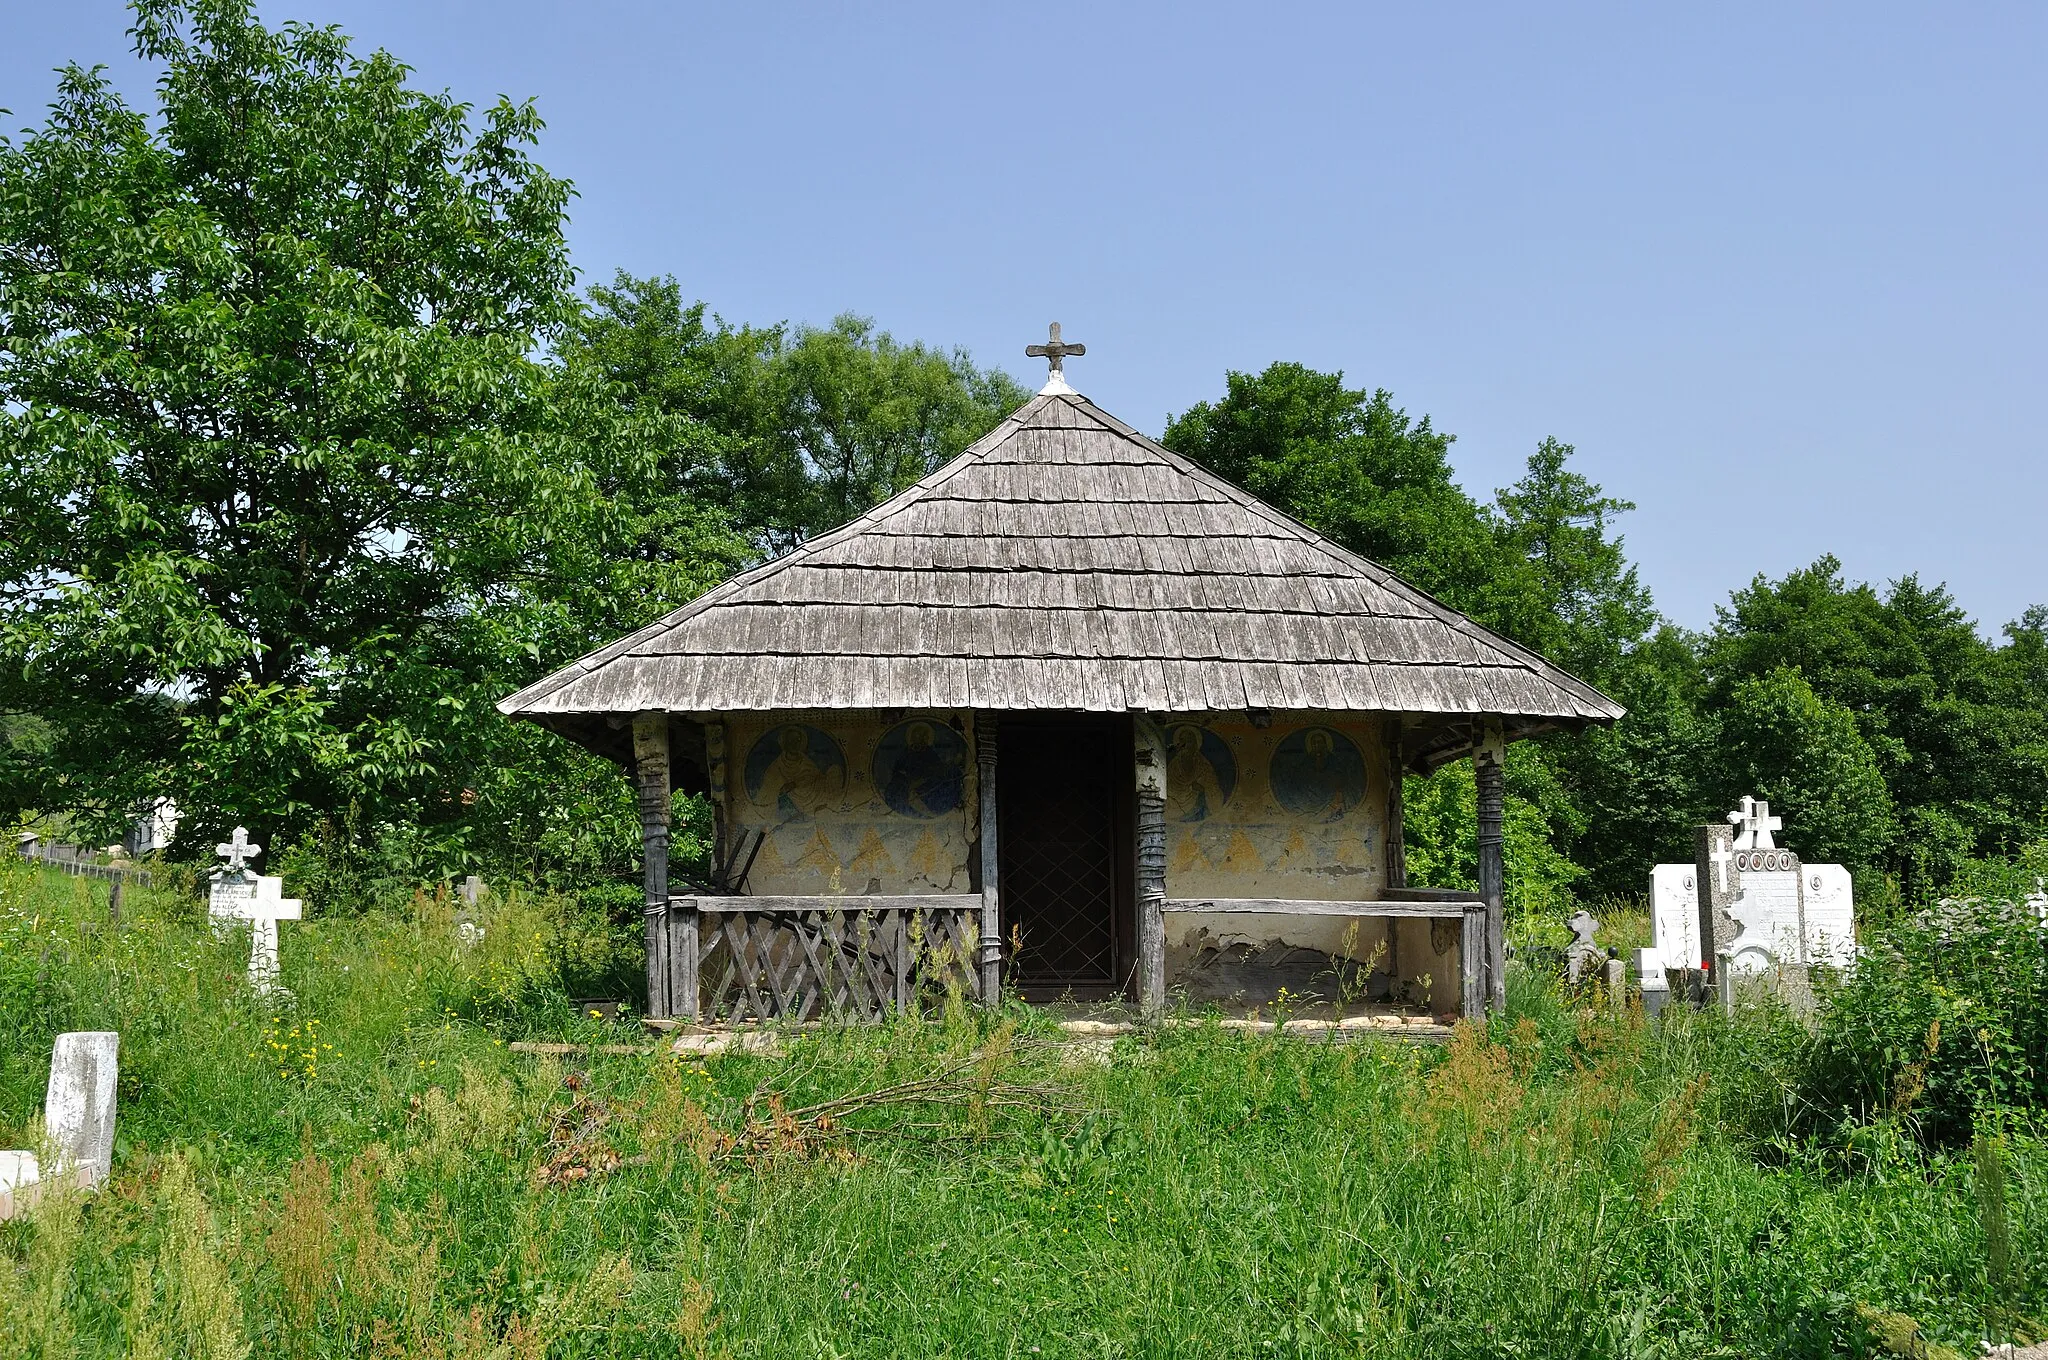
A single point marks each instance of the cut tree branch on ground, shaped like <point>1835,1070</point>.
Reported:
<point>970,1083</point>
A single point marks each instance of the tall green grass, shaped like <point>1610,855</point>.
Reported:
<point>369,1170</point>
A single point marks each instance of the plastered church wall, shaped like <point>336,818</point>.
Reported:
<point>853,802</point>
<point>856,802</point>
<point>1293,809</point>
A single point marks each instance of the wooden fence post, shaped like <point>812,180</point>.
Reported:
<point>650,778</point>
<point>1472,962</point>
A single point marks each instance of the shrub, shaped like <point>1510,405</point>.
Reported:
<point>1944,1018</point>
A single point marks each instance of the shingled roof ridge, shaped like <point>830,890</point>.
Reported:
<point>1365,566</point>
<point>719,594</point>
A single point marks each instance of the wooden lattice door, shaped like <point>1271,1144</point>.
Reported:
<point>1063,845</point>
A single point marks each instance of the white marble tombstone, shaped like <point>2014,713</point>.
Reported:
<point>1828,901</point>
<point>78,1121</point>
<point>1674,919</point>
<point>1789,914</point>
<point>239,895</point>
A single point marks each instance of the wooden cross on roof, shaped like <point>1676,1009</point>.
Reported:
<point>1054,351</point>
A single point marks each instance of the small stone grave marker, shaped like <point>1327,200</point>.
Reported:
<point>78,1121</point>
<point>468,931</point>
<point>239,895</point>
<point>1617,983</point>
<point>1582,953</point>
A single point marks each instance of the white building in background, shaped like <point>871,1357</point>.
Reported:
<point>154,829</point>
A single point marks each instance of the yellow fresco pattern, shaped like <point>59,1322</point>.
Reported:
<point>808,781</point>
<point>1231,833</point>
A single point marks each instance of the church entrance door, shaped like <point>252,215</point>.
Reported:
<point>1064,798</point>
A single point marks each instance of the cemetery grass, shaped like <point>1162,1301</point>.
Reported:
<point>370,1170</point>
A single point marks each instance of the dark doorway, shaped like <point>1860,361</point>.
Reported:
<point>1063,794</point>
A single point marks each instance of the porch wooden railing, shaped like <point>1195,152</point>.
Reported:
<point>801,958</point>
<point>727,959</point>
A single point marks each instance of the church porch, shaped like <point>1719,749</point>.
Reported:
<point>867,861</point>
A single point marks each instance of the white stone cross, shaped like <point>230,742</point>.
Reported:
<point>1754,824</point>
<point>238,850</point>
<point>257,899</point>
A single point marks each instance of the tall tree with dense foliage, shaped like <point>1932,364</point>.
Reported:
<point>280,463</point>
<point>1958,727</point>
<point>1781,741</point>
<point>1349,464</point>
<point>805,427</point>
<point>1565,586</point>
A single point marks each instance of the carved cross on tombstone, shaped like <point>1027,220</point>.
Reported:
<point>1721,858</point>
<point>238,850</point>
<point>1754,824</point>
<point>1054,351</point>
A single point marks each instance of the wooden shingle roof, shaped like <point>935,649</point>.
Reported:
<point>1068,562</point>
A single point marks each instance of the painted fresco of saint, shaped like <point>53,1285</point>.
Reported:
<point>1200,773</point>
<point>920,768</point>
<point>1318,773</point>
<point>796,770</point>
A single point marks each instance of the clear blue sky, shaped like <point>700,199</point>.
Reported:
<point>1778,271</point>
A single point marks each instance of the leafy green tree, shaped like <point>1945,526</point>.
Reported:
<point>1576,598</point>
<point>666,360</point>
<point>1441,824</point>
<point>804,428</point>
<point>290,498</point>
<point>1958,727</point>
<point>1350,464</point>
<point>2026,652</point>
<point>1617,798</point>
<point>1640,787</point>
<point>1781,741</point>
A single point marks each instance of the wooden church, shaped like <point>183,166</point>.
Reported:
<point>1070,715</point>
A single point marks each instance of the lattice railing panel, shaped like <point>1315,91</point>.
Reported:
<point>832,961</point>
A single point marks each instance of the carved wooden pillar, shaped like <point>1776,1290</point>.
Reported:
<point>1396,867</point>
<point>990,956</point>
<point>1397,770</point>
<point>1150,759</point>
<point>1487,771</point>
<point>650,780</point>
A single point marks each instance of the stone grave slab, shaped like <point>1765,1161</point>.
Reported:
<point>78,1121</point>
<point>1749,900</point>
